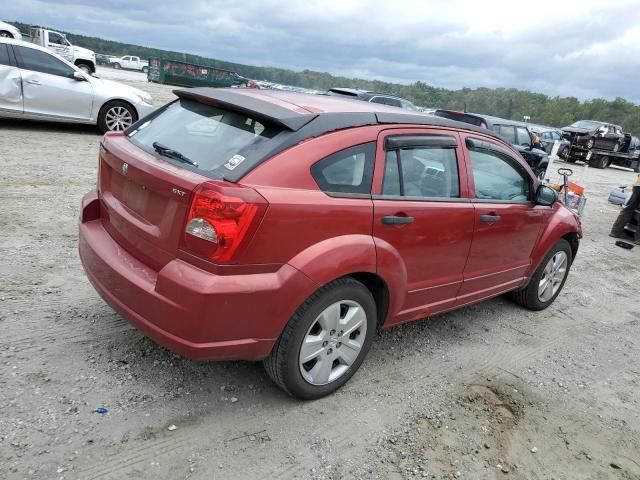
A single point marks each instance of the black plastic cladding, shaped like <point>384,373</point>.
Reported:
<point>302,126</point>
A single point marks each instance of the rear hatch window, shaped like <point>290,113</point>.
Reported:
<point>205,138</point>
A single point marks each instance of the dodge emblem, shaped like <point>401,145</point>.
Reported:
<point>125,168</point>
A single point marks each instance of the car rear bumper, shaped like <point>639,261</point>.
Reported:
<point>192,312</point>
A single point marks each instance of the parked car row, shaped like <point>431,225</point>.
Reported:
<point>520,135</point>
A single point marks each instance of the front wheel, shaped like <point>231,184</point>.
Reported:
<point>547,281</point>
<point>116,116</point>
<point>325,341</point>
<point>5,34</point>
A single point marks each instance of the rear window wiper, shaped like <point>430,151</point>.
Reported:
<point>171,153</point>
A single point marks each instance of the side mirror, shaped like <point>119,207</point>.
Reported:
<point>78,76</point>
<point>546,196</point>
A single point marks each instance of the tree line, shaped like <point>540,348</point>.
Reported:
<point>501,102</point>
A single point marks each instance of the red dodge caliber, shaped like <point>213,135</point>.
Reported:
<point>284,227</point>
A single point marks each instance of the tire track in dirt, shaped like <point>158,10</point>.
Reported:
<point>118,465</point>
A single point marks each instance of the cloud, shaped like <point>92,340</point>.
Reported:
<point>585,49</point>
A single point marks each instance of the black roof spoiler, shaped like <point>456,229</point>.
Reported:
<point>248,105</point>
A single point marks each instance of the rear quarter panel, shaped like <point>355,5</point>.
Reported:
<point>323,236</point>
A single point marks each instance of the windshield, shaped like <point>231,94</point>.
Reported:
<point>586,124</point>
<point>209,137</point>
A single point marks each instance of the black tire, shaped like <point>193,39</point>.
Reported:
<point>85,68</point>
<point>601,162</point>
<point>5,34</point>
<point>528,296</point>
<point>102,120</point>
<point>282,364</point>
<point>145,69</point>
<point>117,66</point>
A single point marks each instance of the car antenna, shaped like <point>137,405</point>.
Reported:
<point>465,107</point>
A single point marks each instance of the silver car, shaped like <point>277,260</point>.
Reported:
<point>37,84</point>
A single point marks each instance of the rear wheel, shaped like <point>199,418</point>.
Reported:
<point>547,281</point>
<point>117,66</point>
<point>600,161</point>
<point>325,341</point>
<point>116,116</point>
<point>85,68</point>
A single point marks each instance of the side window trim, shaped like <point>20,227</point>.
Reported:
<point>369,149</point>
<point>396,143</point>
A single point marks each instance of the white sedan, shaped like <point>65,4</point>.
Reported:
<point>9,31</point>
<point>37,84</point>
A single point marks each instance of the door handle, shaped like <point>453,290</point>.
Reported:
<point>32,82</point>
<point>490,218</point>
<point>396,220</point>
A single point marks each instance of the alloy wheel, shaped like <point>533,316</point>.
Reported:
<point>118,118</point>
<point>333,342</point>
<point>553,276</point>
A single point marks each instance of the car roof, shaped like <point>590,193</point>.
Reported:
<point>306,115</point>
<point>358,91</point>
<point>293,110</point>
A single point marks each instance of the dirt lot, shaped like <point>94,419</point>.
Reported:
<point>490,391</point>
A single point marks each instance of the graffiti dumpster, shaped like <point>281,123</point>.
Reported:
<point>172,72</point>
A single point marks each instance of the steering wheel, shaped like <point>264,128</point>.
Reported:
<point>565,171</point>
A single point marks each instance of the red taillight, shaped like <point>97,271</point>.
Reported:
<point>220,218</point>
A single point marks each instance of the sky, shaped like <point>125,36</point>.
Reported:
<point>584,49</point>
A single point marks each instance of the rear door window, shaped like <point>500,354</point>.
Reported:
<point>347,171</point>
<point>421,172</point>
<point>4,54</point>
<point>524,139</point>
<point>507,131</point>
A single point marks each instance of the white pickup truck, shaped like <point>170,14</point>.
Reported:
<point>130,63</point>
<point>58,43</point>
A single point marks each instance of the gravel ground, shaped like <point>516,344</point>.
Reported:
<point>490,391</point>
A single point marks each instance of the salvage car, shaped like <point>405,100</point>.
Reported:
<point>40,85</point>
<point>194,230</point>
<point>518,134</point>
<point>594,134</point>
<point>374,97</point>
